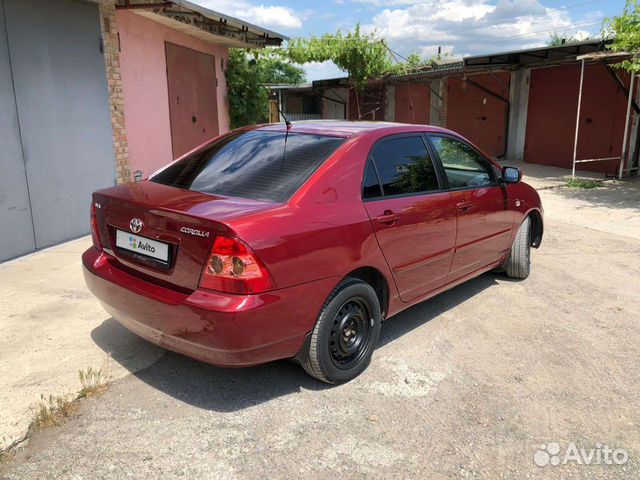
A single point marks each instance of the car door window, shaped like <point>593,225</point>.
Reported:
<point>404,166</point>
<point>463,165</point>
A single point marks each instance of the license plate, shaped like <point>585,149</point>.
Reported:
<point>142,245</point>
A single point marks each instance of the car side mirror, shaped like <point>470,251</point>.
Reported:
<point>511,175</point>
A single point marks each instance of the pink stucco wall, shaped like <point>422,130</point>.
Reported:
<point>146,95</point>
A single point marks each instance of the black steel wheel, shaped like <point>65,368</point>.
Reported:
<point>350,333</point>
<point>345,334</point>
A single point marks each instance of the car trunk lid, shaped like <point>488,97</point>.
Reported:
<point>166,233</point>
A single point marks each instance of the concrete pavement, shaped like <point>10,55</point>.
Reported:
<point>469,384</point>
<point>52,327</point>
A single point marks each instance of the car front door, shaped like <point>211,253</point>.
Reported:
<point>413,217</point>
<point>484,221</point>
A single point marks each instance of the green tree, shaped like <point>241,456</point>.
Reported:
<point>364,57</point>
<point>248,71</point>
<point>625,31</point>
<point>274,70</point>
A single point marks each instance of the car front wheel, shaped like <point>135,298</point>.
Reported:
<point>518,264</point>
<point>345,334</point>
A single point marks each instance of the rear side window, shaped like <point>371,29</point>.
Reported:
<point>404,166</point>
<point>371,184</point>
<point>252,165</point>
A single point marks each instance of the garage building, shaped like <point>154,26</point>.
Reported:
<point>93,91</point>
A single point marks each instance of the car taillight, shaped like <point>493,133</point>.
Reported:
<point>94,227</point>
<point>232,267</point>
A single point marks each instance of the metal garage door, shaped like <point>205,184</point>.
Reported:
<point>551,118</point>
<point>62,107</point>
<point>478,109</point>
<point>193,101</point>
<point>16,229</point>
<point>413,103</point>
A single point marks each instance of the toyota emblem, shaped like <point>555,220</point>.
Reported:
<point>135,225</point>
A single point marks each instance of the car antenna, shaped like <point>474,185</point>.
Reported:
<point>286,135</point>
<point>286,122</point>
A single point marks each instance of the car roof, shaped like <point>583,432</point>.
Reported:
<point>342,128</point>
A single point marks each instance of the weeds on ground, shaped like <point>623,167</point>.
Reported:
<point>51,411</point>
<point>93,381</point>
<point>583,183</point>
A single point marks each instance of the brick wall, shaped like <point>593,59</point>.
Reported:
<point>116,96</point>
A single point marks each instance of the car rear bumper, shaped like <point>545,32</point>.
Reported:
<point>222,329</point>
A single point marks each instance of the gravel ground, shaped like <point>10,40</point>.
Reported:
<point>469,384</point>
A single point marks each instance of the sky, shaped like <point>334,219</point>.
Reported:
<point>459,27</point>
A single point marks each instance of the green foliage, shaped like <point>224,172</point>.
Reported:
<point>417,176</point>
<point>274,70</point>
<point>363,56</point>
<point>247,73</point>
<point>556,39</point>
<point>412,62</point>
<point>625,31</point>
<point>584,183</point>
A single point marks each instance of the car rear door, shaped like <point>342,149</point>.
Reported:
<point>413,217</point>
<point>485,222</point>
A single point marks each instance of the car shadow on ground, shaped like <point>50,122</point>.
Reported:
<point>232,389</point>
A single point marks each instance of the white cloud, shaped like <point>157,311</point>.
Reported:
<point>264,16</point>
<point>472,26</point>
<point>271,16</point>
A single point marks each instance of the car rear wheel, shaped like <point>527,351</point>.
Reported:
<point>345,334</point>
<point>518,264</point>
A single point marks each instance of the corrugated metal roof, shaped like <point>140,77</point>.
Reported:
<point>567,51</point>
<point>437,70</point>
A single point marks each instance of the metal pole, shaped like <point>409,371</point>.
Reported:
<point>575,142</point>
<point>626,127</point>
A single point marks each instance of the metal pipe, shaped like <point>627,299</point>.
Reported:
<point>575,141</point>
<point>623,156</point>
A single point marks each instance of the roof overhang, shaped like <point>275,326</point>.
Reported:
<point>533,56</point>
<point>200,22</point>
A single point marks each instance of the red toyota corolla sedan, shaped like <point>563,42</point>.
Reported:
<point>297,241</point>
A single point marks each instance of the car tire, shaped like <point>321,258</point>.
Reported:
<point>345,334</point>
<point>518,264</point>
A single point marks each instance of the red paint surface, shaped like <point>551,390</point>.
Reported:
<point>308,244</point>
<point>412,103</point>
<point>371,102</point>
<point>477,115</point>
<point>193,106</point>
<point>553,102</point>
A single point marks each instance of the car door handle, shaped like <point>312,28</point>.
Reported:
<point>388,217</point>
<point>464,205</point>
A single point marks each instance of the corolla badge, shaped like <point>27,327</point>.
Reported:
<point>194,231</point>
<point>136,225</point>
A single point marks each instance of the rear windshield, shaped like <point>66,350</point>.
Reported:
<point>252,165</point>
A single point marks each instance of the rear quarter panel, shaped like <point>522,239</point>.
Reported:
<point>324,230</point>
